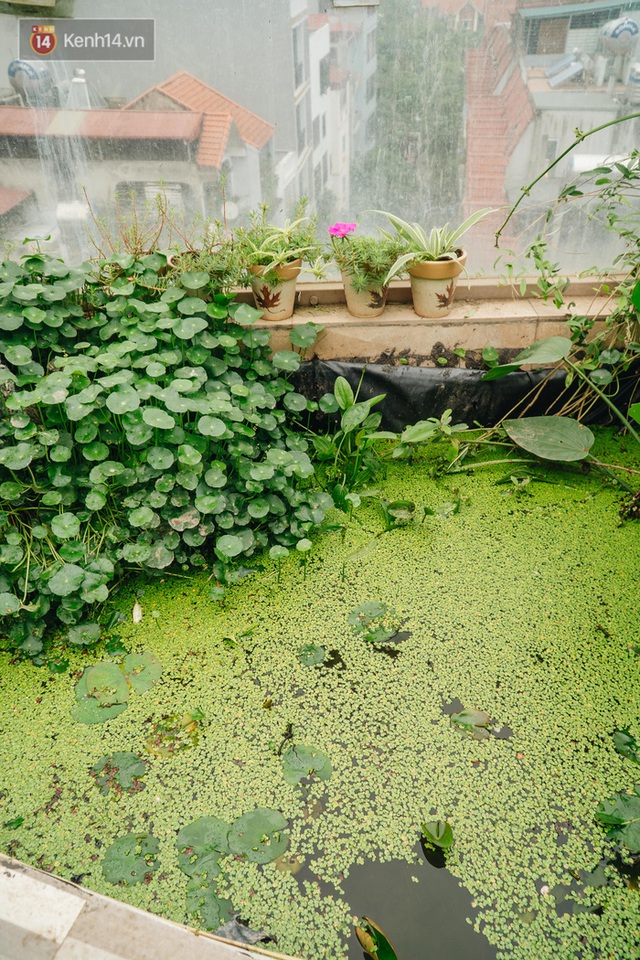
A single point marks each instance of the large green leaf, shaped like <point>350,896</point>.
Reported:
<point>551,350</point>
<point>141,671</point>
<point>201,844</point>
<point>552,438</point>
<point>301,761</point>
<point>204,904</point>
<point>259,835</point>
<point>130,859</point>
<point>373,941</point>
<point>621,818</point>
<point>120,771</point>
<point>67,580</point>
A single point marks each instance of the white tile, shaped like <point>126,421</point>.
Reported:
<point>39,908</point>
<point>79,950</point>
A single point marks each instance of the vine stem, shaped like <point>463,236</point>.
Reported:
<point>615,410</point>
<point>527,190</point>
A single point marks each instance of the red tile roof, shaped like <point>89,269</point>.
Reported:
<point>11,198</point>
<point>192,94</point>
<point>100,124</point>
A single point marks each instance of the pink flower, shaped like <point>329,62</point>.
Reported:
<point>342,229</point>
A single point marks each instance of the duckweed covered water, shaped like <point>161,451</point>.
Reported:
<point>521,605</point>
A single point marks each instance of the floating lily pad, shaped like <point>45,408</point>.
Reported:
<point>121,771</point>
<point>438,833</point>
<point>130,859</point>
<point>301,761</point>
<point>200,845</point>
<point>473,722</point>
<point>626,745</point>
<point>259,835</point>
<point>374,622</point>
<point>173,733</point>
<point>141,671</point>
<point>204,904</point>
<point>310,654</point>
<point>104,682</point>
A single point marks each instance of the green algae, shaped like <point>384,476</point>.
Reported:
<point>520,606</point>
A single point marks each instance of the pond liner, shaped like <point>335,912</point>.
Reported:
<point>415,393</point>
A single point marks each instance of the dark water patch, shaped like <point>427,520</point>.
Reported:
<point>390,652</point>
<point>427,918</point>
<point>451,707</point>
<point>502,733</point>
<point>433,855</point>
<point>333,661</point>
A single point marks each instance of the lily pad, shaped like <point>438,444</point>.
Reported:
<point>173,733</point>
<point>84,634</point>
<point>204,904</point>
<point>473,722</point>
<point>201,844</point>
<point>301,761</point>
<point>105,683</point>
<point>121,771</point>
<point>310,654</point>
<point>621,819</point>
<point>438,833</point>
<point>130,859</point>
<point>259,835</point>
<point>141,671</point>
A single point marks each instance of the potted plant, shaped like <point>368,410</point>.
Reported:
<point>433,261</point>
<point>364,263</point>
<point>274,255</point>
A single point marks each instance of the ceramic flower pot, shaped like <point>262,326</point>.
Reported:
<point>276,300</point>
<point>433,285</point>
<point>363,303</point>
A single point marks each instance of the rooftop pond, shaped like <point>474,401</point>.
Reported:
<point>516,600</point>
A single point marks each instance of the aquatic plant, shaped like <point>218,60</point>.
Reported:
<point>102,691</point>
<point>374,622</point>
<point>121,771</point>
<point>373,941</point>
<point>131,859</point>
<point>143,427</point>
<point>437,834</point>
<point>473,722</point>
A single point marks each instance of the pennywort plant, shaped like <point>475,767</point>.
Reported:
<point>142,427</point>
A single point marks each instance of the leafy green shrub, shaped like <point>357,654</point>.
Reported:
<point>141,427</point>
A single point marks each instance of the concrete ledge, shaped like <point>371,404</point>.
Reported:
<point>43,917</point>
<point>474,323</point>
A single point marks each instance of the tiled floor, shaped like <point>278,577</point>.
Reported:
<point>43,917</point>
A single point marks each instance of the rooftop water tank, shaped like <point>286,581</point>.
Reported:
<point>32,81</point>
<point>620,36</point>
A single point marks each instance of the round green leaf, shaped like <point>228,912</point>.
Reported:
<point>131,858</point>
<point>286,360</point>
<point>18,457</point>
<point>229,546</point>
<point>158,418</point>
<point>123,399</point>
<point>18,355</point>
<point>8,604</point>
<point>95,451</point>
<point>84,634</point>
<point>66,526</point>
<point>95,500</point>
<point>141,671</point>
<point>160,458</point>
<point>211,426</point>
<point>189,305</point>
<point>194,279</point>
<point>188,327</point>
<point>67,580</point>
<point>258,835</point>
<point>143,517</point>
<point>552,438</point>
<point>155,370</point>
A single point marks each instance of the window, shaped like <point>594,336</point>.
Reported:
<point>300,55</point>
<point>417,117</point>
<point>325,67</point>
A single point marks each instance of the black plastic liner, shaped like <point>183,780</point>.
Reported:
<point>415,393</point>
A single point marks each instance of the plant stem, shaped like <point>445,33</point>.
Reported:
<point>615,410</point>
<point>581,136</point>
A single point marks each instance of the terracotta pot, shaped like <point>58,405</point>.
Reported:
<point>433,285</point>
<point>276,300</point>
<point>365,303</point>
